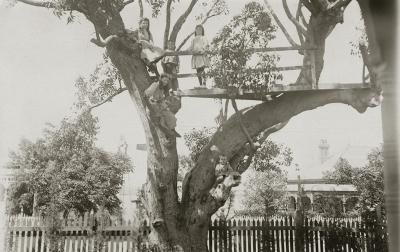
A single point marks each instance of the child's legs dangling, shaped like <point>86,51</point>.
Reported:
<point>200,74</point>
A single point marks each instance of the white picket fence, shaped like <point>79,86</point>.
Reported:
<point>85,234</point>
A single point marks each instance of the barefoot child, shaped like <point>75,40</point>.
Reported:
<point>200,62</point>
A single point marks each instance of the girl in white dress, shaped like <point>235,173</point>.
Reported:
<point>200,62</point>
<point>150,53</point>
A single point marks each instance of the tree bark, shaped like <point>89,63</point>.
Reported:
<point>185,224</point>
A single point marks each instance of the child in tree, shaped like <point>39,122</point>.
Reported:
<point>200,62</point>
<point>150,53</point>
<point>171,66</point>
<point>222,169</point>
<point>157,94</point>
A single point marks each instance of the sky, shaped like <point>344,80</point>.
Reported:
<point>41,57</point>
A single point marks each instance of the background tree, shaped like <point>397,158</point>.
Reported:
<point>184,223</point>
<point>264,192</point>
<point>64,171</point>
<point>368,180</point>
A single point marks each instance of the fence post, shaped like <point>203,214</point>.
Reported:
<point>299,231</point>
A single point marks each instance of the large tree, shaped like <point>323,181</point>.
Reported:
<point>184,223</point>
<point>64,171</point>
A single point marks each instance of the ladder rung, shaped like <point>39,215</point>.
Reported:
<point>286,68</point>
<point>254,50</point>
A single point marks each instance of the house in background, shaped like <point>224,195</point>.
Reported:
<point>315,188</point>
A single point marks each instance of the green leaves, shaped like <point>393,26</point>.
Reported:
<point>272,156</point>
<point>368,179</point>
<point>102,83</point>
<point>66,171</point>
<point>197,139</point>
<point>264,192</point>
<point>235,65</point>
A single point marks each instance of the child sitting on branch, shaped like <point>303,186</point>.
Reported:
<point>151,54</point>
<point>157,95</point>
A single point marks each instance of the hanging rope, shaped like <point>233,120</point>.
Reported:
<point>242,125</point>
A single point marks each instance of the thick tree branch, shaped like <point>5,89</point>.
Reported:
<point>108,99</point>
<point>285,32</point>
<point>167,22</point>
<point>326,5</point>
<point>299,15</point>
<point>141,8</point>
<point>237,160</point>
<point>38,3</point>
<point>293,19</point>
<point>229,139</point>
<point>208,16</point>
<point>181,20</point>
<point>99,41</point>
<point>124,4</point>
<point>308,5</point>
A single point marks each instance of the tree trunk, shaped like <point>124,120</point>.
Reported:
<point>185,224</point>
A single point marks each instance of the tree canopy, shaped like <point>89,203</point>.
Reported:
<point>367,179</point>
<point>63,170</point>
<point>184,222</point>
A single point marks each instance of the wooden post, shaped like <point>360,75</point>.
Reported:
<point>299,217</point>
<point>314,84</point>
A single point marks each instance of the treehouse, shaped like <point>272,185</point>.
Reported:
<point>269,90</point>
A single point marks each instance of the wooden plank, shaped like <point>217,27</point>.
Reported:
<point>254,50</point>
<point>244,235</point>
<point>316,237</point>
<point>249,237</point>
<point>259,239</point>
<point>254,236</point>
<point>311,237</point>
<point>210,237</point>
<point>275,239</point>
<point>286,234</point>
<point>282,68</point>
<point>262,95</point>
<point>215,236</point>
<point>323,234</point>
<point>239,236</point>
<point>220,235</point>
<point>43,241</point>
<point>234,245</point>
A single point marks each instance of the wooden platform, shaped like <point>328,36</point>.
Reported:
<point>219,93</point>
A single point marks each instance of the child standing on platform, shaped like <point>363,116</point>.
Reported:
<point>170,65</point>
<point>200,62</point>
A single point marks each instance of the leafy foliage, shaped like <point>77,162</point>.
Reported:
<point>368,180</point>
<point>265,184</point>
<point>102,83</point>
<point>272,156</point>
<point>196,140</point>
<point>214,8</point>
<point>233,65</point>
<point>66,171</point>
<point>156,6</point>
<point>329,206</point>
<point>342,173</point>
<point>264,192</point>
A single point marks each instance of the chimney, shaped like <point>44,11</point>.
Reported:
<point>323,150</point>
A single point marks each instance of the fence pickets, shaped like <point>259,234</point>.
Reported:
<point>29,234</point>
<point>278,235</point>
